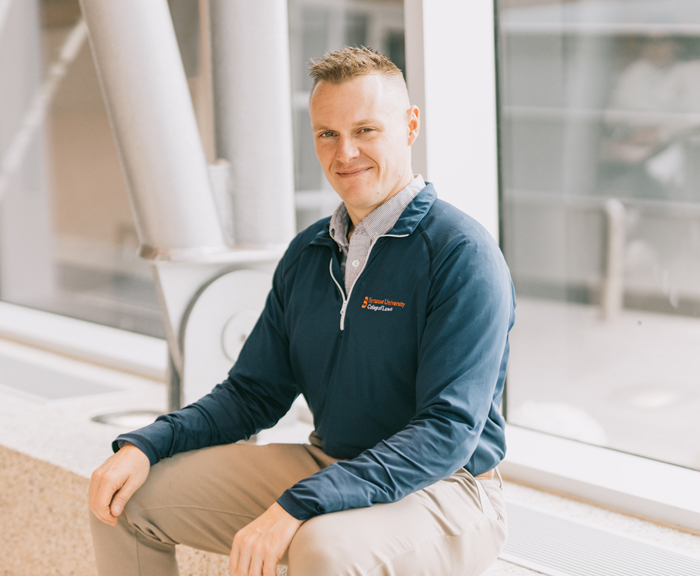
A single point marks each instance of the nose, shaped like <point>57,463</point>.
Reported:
<point>347,150</point>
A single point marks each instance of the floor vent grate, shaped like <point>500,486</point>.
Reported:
<point>559,547</point>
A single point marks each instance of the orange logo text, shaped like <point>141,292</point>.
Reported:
<point>381,305</point>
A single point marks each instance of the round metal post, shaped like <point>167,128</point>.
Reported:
<point>613,289</point>
<point>252,116</point>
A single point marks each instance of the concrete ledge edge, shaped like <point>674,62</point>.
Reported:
<point>112,347</point>
<point>645,488</point>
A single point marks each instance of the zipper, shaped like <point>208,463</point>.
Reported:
<point>342,294</point>
<point>346,299</point>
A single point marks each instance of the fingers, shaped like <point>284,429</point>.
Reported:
<point>102,490</point>
<point>241,553</point>
<point>256,562</point>
<point>234,562</point>
<point>258,547</point>
<point>235,556</point>
<point>115,481</point>
<point>252,556</point>
<point>122,496</point>
<point>269,566</point>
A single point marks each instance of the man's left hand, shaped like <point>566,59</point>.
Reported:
<point>259,546</point>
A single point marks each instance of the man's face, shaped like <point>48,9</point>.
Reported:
<point>363,130</point>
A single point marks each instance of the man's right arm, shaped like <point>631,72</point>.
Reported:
<point>259,390</point>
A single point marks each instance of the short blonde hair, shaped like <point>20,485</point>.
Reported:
<point>351,62</point>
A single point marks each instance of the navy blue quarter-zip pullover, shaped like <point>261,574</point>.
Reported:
<point>404,378</point>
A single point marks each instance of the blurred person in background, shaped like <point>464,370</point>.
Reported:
<point>653,121</point>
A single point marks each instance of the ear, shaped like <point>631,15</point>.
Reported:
<point>413,124</point>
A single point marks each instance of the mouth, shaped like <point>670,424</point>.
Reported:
<point>353,172</point>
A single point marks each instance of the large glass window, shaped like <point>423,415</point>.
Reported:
<point>600,149</point>
<point>67,236</point>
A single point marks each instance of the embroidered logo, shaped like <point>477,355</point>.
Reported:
<point>384,305</point>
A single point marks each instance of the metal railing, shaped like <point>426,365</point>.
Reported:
<point>616,214</point>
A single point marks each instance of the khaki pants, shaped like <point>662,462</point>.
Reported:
<point>202,498</point>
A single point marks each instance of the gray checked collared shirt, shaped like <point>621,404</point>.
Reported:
<point>353,254</point>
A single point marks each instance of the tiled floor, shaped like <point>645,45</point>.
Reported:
<point>61,432</point>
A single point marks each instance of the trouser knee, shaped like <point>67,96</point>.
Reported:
<point>135,521</point>
<point>315,551</point>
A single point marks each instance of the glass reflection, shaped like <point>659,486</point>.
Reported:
<point>652,122</point>
<point>600,140</point>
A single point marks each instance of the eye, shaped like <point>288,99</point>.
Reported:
<point>366,129</point>
<point>326,134</point>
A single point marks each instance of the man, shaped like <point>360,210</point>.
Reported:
<point>392,319</point>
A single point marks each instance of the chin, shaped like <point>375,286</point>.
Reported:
<point>360,186</point>
<point>359,194</point>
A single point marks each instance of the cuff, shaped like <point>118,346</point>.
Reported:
<point>141,443</point>
<point>290,504</point>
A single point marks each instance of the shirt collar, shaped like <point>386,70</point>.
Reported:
<point>380,220</point>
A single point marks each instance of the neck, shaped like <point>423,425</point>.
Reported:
<point>357,216</point>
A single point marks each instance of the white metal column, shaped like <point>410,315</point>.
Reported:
<point>253,116</point>
<point>27,267</point>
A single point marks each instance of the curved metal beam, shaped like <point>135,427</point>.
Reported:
<point>150,108</point>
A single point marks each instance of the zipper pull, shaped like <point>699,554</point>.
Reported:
<point>342,315</point>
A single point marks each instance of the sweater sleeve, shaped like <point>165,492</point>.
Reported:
<point>462,357</point>
<point>256,394</point>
